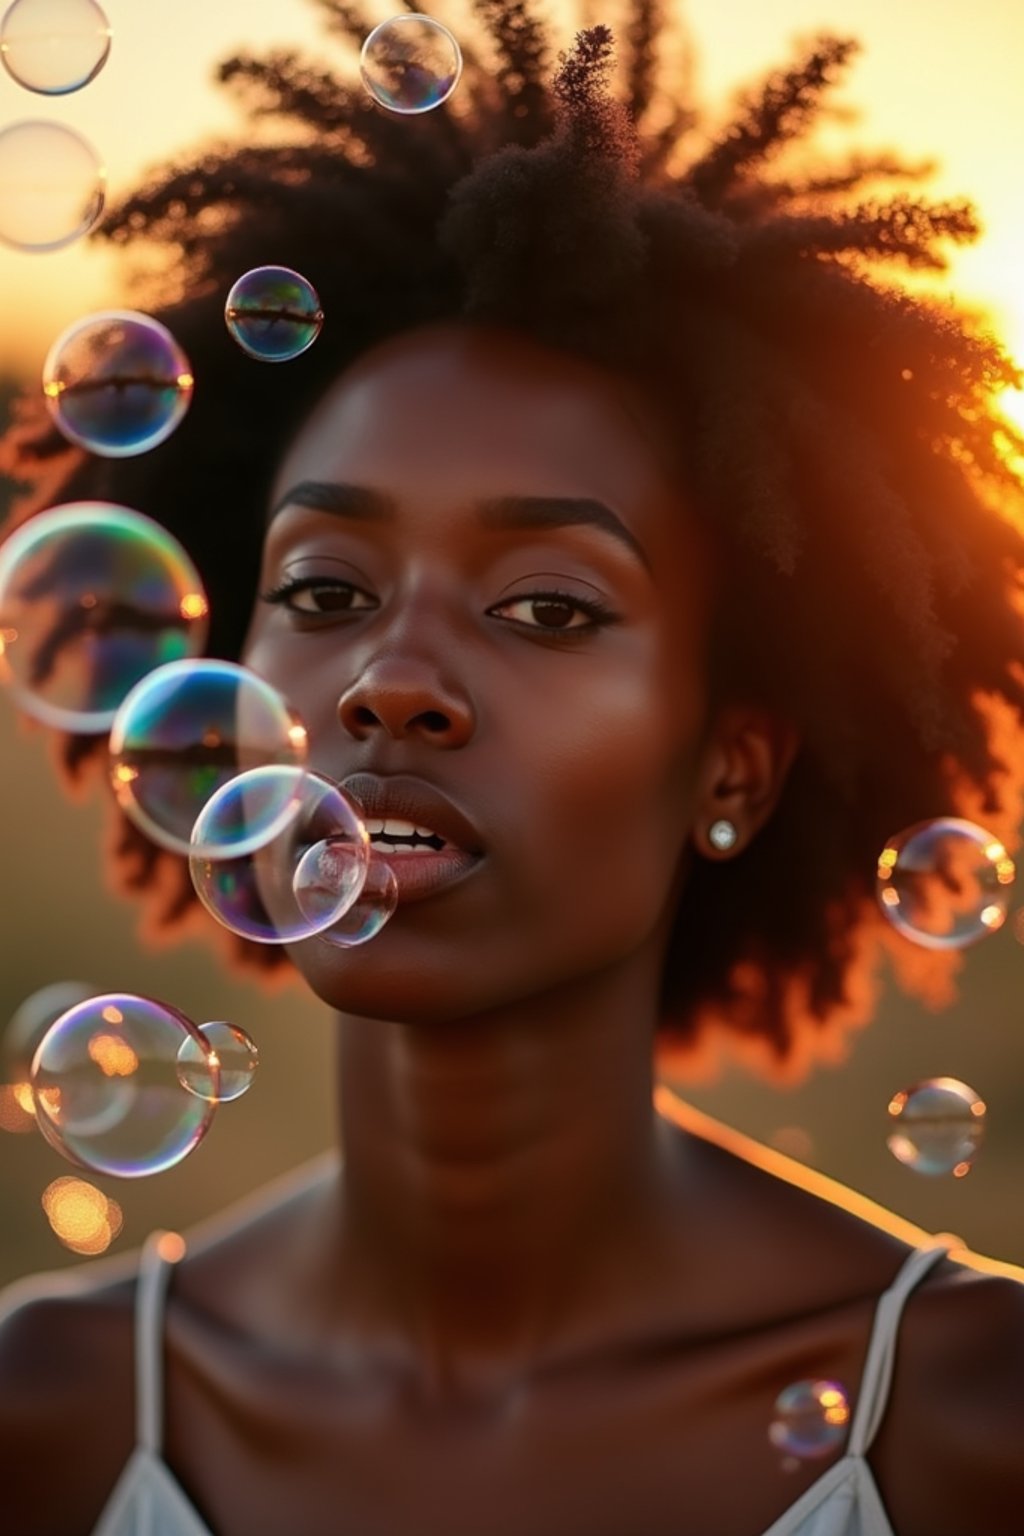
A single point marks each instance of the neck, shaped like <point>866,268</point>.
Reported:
<point>505,1177</point>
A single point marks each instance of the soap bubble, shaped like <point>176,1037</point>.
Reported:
<point>410,64</point>
<point>117,383</point>
<point>809,1419</point>
<point>106,1087</point>
<point>186,729</point>
<point>54,46</point>
<point>237,1058</point>
<point>323,878</point>
<point>52,185</point>
<point>938,1125</point>
<point>274,314</point>
<point>20,1041</point>
<point>254,895</point>
<point>945,883</point>
<point>92,598</point>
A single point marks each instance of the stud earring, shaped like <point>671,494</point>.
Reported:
<point>722,835</point>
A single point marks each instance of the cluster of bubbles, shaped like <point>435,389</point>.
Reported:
<point>52,181</point>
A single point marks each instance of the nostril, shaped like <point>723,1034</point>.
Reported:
<point>433,720</point>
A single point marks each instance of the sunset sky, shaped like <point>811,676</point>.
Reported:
<point>936,79</point>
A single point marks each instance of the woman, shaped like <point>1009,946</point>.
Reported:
<point>624,534</point>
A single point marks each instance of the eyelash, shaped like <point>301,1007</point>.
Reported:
<point>597,612</point>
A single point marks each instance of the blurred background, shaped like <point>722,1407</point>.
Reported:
<point>937,80</point>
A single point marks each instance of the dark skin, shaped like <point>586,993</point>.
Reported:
<point>529,1303</point>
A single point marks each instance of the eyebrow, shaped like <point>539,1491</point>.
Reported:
<point>363,504</point>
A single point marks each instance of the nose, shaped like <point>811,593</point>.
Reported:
<point>405,699</point>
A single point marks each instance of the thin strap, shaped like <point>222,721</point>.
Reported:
<point>878,1367</point>
<point>160,1253</point>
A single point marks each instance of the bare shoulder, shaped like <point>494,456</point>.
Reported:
<point>957,1404</point>
<point>66,1395</point>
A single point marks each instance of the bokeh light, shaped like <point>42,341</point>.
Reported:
<point>81,1216</point>
<point>810,1419</point>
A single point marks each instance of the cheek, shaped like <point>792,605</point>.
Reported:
<point>614,776</point>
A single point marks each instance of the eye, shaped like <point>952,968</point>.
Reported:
<point>318,595</point>
<point>556,613</point>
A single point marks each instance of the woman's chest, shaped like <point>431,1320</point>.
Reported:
<point>677,1446</point>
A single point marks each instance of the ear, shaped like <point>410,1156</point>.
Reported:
<point>747,758</point>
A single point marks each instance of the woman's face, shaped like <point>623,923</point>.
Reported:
<point>483,579</point>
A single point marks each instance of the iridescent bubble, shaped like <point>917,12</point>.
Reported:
<point>945,883</point>
<point>20,1041</point>
<point>254,895</point>
<point>92,598</point>
<point>323,881</point>
<point>186,729</point>
<point>106,1086</point>
<point>237,1058</point>
<point>54,46</point>
<point>410,64</point>
<point>810,1419</point>
<point>937,1126</point>
<point>53,185</point>
<point>117,383</point>
<point>274,314</point>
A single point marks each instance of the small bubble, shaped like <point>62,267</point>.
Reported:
<point>410,64</point>
<point>117,383</point>
<point>54,47</point>
<point>237,1058</point>
<point>945,883</point>
<point>274,314</point>
<point>937,1126</point>
<point>809,1419</point>
<point>324,881</point>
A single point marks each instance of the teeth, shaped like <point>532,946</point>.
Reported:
<point>392,826</point>
<point>383,846</point>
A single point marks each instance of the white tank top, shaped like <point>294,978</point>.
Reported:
<point>844,1501</point>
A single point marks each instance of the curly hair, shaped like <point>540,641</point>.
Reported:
<point>841,436</point>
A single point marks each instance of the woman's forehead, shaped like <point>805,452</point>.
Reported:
<point>469,412</point>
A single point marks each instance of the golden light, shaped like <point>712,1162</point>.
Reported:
<point>193,606</point>
<point>897,1102</point>
<point>24,1097</point>
<point>113,1056</point>
<point>891,897</point>
<point>961,1170</point>
<point>14,1118</point>
<point>124,773</point>
<point>297,737</point>
<point>992,917</point>
<point>171,1247</point>
<point>81,1216</point>
<point>184,381</point>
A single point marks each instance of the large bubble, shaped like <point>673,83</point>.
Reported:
<point>936,1126</point>
<point>810,1419</point>
<point>945,883</point>
<point>106,1086</point>
<point>188,728</point>
<point>52,185</point>
<point>410,64</point>
<point>54,46</point>
<point>117,383</point>
<point>274,314</point>
<point>254,895</point>
<point>92,598</point>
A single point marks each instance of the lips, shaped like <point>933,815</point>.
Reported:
<point>419,871</point>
